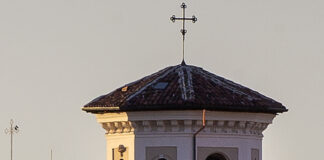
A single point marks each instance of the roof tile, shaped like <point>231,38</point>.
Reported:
<point>188,87</point>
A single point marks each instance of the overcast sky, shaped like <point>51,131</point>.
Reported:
<point>57,55</point>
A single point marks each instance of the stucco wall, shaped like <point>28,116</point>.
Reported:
<point>142,132</point>
<point>114,141</point>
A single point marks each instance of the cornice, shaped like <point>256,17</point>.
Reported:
<point>184,115</point>
<point>227,127</point>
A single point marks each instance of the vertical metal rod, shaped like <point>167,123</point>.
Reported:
<point>183,34</point>
<point>11,137</point>
<point>12,130</point>
<point>51,154</point>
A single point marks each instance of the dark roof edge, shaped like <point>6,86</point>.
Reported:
<point>101,110</point>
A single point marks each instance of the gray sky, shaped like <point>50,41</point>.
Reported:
<point>55,56</point>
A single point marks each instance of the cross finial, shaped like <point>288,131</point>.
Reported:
<point>183,30</point>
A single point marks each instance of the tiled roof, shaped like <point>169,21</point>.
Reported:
<point>184,87</point>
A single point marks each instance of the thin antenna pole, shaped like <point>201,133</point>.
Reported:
<point>12,130</point>
<point>11,138</point>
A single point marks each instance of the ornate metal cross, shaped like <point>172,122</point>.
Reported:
<point>183,30</point>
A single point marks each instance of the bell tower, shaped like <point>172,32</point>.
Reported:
<point>183,112</point>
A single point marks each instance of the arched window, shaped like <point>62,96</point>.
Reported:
<point>162,157</point>
<point>216,156</point>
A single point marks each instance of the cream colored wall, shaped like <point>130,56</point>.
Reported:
<point>113,141</point>
<point>140,130</point>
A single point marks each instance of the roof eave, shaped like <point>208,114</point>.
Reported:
<point>105,109</point>
<point>100,109</point>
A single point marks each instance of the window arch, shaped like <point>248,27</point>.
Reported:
<point>162,157</point>
<point>216,156</point>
